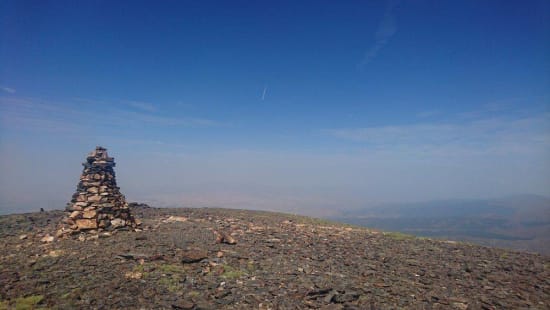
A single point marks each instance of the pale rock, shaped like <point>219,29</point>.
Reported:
<point>118,223</point>
<point>86,223</point>
<point>74,215</point>
<point>89,214</point>
<point>224,238</point>
<point>133,275</point>
<point>93,190</point>
<point>92,237</point>
<point>95,198</point>
<point>47,239</point>
<point>460,305</point>
<point>55,253</point>
<point>172,219</point>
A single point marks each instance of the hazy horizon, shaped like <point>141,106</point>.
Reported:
<point>298,107</point>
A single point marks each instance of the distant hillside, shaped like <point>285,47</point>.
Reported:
<point>517,222</point>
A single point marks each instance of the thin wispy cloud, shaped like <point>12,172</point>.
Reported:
<point>160,120</point>
<point>36,114</point>
<point>515,105</point>
<point>263,93</point>
<point>133,104</point>
<point>427,113</point>
<point>493,135</point>
<point>139,105</point>
<point>386,29</point>
<point>8,90</point>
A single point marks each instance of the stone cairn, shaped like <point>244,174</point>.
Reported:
<point>97,204</point>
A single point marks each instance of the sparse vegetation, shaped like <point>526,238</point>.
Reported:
<point>171,269</point>
<point>193,294</point>
<point>171,282</point>
<point>399,236</point>
<point>25,303</point>
<point>232,273</point>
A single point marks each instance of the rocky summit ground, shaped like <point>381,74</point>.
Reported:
<point>235,259</point>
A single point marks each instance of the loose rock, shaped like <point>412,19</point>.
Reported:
<point>193,256</point>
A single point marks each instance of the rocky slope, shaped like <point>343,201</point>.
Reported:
<point>235,259</point>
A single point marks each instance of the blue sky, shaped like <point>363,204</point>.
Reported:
<point>296,106</point>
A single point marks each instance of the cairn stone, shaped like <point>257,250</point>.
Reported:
<point>97,204</point>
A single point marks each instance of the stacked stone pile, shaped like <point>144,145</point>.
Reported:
<point>97,203</point>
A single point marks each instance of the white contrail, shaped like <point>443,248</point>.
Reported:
<point>263,93</point>
<point>386,30</point>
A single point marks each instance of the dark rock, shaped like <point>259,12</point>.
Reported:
<point>183,305</point>
<point>341,298</point>
<point>193,256</point>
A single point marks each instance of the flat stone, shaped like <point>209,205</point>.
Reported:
<point>183,305</point>
<point>86,224</point>
<point>134,256</point>
<point>193,256</point>
<point>172,219</point>
<point>95,198</point>
<point>133,275</point>
<point>47,239</point>
<point>460,305</point>
<point>93,190</point>
<point>89,214</point>
<point>224,238</point>
<point>118,223</point>
<point>74,208</point>
<point>74,214</point>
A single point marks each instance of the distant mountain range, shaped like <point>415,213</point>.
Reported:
<point>520,222</point>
